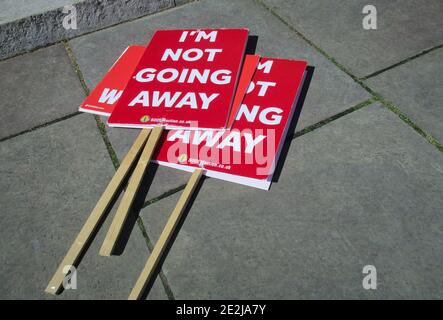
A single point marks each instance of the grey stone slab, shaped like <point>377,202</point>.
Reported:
<point>362,190</point>
<point>416,88</point>
<point>37,88</point>
<point>51,180</point>
<point>30,24</point>
<point>331,90</point>
<point>404,28</point>
<point>11,10</point>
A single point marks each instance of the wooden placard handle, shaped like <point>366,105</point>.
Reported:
<point>165,236</point>
<point>131,191</point>
<point>91,224</point>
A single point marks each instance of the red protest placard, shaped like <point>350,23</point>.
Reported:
<point>248,152</point>
<point>104,97</point>
<point>185,79</point>
<point>248,69</point>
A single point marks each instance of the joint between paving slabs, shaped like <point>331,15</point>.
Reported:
<point>333,118</point>
<point>68,116</point>
<point>163,195</point>
<point>100,125</point>
<point>378,97</point>
<point>150,246</point>
<point>429,138</point>
<point>102,130</point>
<point>424,52</point>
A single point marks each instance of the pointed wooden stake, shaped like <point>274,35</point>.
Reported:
<point>167,232</point>
<point>131,191</point>
<point>90,226</point>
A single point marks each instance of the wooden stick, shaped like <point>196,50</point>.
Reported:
<point>91,224</point>
<point>165,236</point>
<point>131,191</point>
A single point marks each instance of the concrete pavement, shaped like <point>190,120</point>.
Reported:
<point>362,183</point>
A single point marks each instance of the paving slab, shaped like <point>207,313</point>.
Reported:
<point>404,29</point>
<point>331,91</point>
<point>51,180</point>
<point>37,88</point>
<point>362,190</point>
<point>416,88</point>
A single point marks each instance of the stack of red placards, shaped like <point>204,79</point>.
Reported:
<point>225,111</point>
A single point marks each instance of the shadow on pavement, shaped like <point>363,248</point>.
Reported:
<point>299,106</point>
